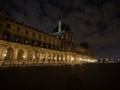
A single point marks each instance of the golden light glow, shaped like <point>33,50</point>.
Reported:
<point>34,57</point>
<point>80,59</point>
<point>23,56</point>
<point>4,55</point>
<point>55,58</point>
<point>72,58</point>
<point>59,58</point>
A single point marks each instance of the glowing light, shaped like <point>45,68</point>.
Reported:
<point>89,60</point>
<point>34,57</point>
<point>80,59</point>
<point>4,55</point>
<point>72,58</point>
<point>59,58</point>
<point>23,56</point>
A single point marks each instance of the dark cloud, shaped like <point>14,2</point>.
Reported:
<point>94,21</point>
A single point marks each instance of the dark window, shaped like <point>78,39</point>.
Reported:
<point>50,40</point>
<point>26,32</point>
<point>49,46</point>
<point>33,34</point>
<point>45,38</point>
<point>33,42</point>
<point>17,39</point>
<point>46,45</point>
<point>26,41</point>
<point>18,29</point>
<point>8,25</point>
<point>1,25</point>
<point>39,36</point>
<point>39,44</point>
<point>6,36</point>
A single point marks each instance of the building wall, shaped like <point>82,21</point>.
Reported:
<point>21,44</point>
<point>10,54</point>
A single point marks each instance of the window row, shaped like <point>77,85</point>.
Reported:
<point>34,34</point>
<point>27,41</point>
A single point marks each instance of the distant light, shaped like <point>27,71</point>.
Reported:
<point>107,59</point>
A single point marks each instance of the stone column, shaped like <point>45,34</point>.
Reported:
<point>51,57</point>
<point>46,57</point>
<point>1,54</point>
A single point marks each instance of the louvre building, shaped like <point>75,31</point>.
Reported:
<point>21,44</point>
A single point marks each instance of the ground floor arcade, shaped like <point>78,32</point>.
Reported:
<point>20,54</point>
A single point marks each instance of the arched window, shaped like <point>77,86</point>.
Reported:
<point>54,58</point>
<point>30,55</point>
<point>43,56</point>
<point>37,55</point>
<point>9,54</point>
<point>6,36</point>
<point>20,54</point>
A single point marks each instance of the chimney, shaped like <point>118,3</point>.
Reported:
<point>59,26</point>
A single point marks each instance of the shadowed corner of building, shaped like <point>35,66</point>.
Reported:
<point>74,83</point>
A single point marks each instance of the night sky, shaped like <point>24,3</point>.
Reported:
<point>94,21</point>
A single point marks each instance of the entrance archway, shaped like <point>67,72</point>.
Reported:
<point>20,54</point>
<point>43,56</point>
<point>9,54</point>
<point>30,55</point>
<point>37,55</point>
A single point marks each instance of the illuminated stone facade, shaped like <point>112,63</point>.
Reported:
<point>21,44</point>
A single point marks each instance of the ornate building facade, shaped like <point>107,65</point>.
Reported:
<point>21,44</point>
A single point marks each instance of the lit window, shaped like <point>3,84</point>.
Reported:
<point>5,37</point>
<point>26,41</point>
<point>17,39</point>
